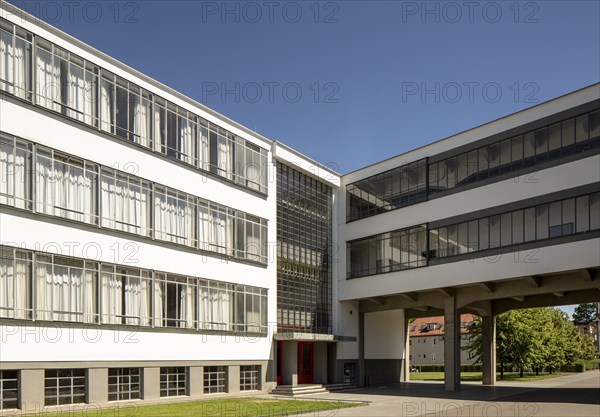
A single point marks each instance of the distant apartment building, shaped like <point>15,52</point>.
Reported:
<point>426,340</point>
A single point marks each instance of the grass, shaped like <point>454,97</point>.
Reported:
<point>246,407</point>
<point>476,376</point>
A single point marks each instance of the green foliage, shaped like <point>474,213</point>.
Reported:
<point>535,339</point>
<point>585,313</point>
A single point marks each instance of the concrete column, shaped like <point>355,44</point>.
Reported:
<point>31,385</point>
<point>488,347</point>
<point>451,345</point>
<point>97,386</point>
<point>289,363</point>
<point>151,383</point>
<point>361,350</point>
<point>320,366</point>
<point>406,362</point>
<point>233,379</point>
<point>196,381</point>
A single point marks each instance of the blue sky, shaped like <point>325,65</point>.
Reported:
<point>349,83</point>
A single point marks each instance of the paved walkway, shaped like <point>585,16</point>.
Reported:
<point>572,395</point>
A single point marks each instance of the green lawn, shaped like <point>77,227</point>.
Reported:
<point>245,407</point>
<point>476,376</point>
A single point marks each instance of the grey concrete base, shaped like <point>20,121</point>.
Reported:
<point>383,371</point>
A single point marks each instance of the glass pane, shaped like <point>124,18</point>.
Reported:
<point>583,213</point>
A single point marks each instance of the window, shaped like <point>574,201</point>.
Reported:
<point>251,167</point>
<point>64,386</point>
<point>216,227</point>
<point>15,172</point>
<point>175,216</point>
<point>216,305</point>
<point>221,145</point>
<point>65,82</point>
<point>250,378</point>
<point>126,202</point>
<point>126,110</point>
<point>175,299</point>
<point>9,389</point>
<point>126,295</point>
<point>250,309</point>
<point>402,249</point>
<point>66,289</point>
<point>15,284</point>
<point>124,384</point>
<point>555,219</point>
<point>251,237</point>
<point>173,382</point>
<point>66,187</point>
<point>176,132</point>
<point>15,67</point>
<point>215,379</point>
<point>389,190</point>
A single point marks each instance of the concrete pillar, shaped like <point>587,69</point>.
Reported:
<point>488,347</point>
<point>151,383</point>
<point>406,362</point>
<point>97,386</point>
<point>320,366</point>
<point>289,363</point>
<point>233,379</point>
<point>361,350</point>
<point>31,384</point>
<point>196,381</point>
<point>451,345</point>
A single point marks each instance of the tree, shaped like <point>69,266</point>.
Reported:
<point>584,313</point>
<point>538,338</point>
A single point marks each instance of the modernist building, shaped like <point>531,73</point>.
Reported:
<point>426,340</point>
<point>153,249</point>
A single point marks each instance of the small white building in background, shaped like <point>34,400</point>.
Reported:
<point>153,249</point>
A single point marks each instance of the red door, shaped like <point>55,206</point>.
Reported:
<point>279,362</point>
<point>306,362</point>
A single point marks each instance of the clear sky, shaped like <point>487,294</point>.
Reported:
<point>348,83</point>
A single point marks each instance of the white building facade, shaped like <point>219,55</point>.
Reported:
<point>153,249</point>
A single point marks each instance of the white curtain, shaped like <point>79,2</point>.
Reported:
<point>253,169</point>
<point>138,201</point>
<point>44,187</point>
<point>106,105</point>
<point>218,220</point>
<point>253,241</point>
<point>88,297</point>
<point>203,151</point>
<point>14,288</point>
<point>43,276</point>
<point>77,94</point>
<point>186,139</point>
<point>157,129</point>
<point>220,308</point>
<point>158,304</point>
<point>132,300</point>
<point>205,227</point>
<point>225,157</point>
<point>21,66</point>
<point>205,309</point>
<point>174,219</point>
<point>54,292</point>
<point>12,175</point>
<point>112,301</point>
<point>253,312</point>
<point>107,199</point>
<point>47,80</point>
<point>141,121</point>
<point>7,61</point>
<point>187,305</point>
<point>145,302</point>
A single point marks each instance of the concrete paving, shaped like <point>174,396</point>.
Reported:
<point>572,395</point>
